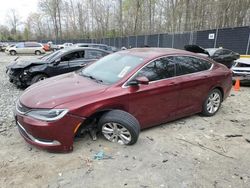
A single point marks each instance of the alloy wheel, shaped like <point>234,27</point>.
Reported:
<point>213,102</point>
<point>115,132</point>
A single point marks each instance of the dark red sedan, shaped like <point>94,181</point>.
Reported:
<point>121,94</point>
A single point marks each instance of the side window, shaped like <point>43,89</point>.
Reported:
<point>71,56</point>
<point>158,69</point>
<point>20,45</point>
<point>188,65</point>
<point>93,54</point>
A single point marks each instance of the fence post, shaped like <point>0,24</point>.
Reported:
<point>248,43</point>
<point>158,41</point>
<point>136,43</point>
<point>172,40</point>
<point>191,38</point>
<point>215,41</point>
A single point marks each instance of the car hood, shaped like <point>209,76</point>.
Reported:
<point>59,90</point>
<point>24,63</point>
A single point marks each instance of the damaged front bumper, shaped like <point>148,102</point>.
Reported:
<point>19,78</point>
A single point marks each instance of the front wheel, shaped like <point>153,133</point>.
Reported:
<point>37,52</point>
<point>212,103</point>
<point>12,52</point>
<point>120,127</point>
<point>38,78</point>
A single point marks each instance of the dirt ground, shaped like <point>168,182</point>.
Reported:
<point>191,152</point>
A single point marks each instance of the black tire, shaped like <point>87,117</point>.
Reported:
<point>37,52</point>
<point>37,78</point>
<point>12,52</point>
<point>215,104</point>
<point>122,120</point>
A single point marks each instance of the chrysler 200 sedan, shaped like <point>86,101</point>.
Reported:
<point>121,94</point>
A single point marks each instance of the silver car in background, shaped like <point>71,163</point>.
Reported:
<point>241,69</point>
<point>26,48</point>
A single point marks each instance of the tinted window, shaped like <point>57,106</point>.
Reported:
<point>188,65</point>
<point>71,56</point>
<point>93,54</point>
<point>158,69</point>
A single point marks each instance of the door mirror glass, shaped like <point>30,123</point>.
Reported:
<point>139,80</point>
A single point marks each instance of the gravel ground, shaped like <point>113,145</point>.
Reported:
<point>191,152</point>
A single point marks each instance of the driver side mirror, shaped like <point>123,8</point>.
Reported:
<point>139,80</point>
<point>57,61</point>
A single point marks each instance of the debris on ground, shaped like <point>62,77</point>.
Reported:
<point>101,155</point>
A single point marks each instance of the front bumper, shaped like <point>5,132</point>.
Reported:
<point>56,136</point>
<point>18,78</point>
<point>241,75</point>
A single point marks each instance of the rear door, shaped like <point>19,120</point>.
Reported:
<point>156,102</point>
<point>195,81</point>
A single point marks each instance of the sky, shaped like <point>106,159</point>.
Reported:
<point>23,7</point>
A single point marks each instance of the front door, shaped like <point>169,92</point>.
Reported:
<point>156,102</point>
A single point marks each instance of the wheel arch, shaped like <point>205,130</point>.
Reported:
<point>95,117</point>
<point>221,90</point>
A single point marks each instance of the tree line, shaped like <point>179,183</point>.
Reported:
<point>73,19</point>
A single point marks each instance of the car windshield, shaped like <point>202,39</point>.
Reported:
<point>111,68</point>
<point>51,56</point>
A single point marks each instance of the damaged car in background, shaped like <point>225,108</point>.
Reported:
<point>220,55</point>
<point>241,69</point>
<point>24,73</point>
<point>119,95</point>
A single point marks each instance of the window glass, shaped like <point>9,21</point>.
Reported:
<point>20,45</point>
<point>31,44</point>
<point>71,56</point>
<point>93,54</point>
<point>158,69</point>
<point>112,68</point>
<point>188,65</point>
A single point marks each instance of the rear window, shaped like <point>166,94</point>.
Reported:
<point>188,65</point>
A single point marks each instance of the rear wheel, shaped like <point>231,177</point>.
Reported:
<point>12,52</point>
<point>37,52</point>
<point>212,103</point>
<point>120,127</point>
<point>38,78</point>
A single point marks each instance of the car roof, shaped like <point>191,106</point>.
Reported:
<point>71,49</point>
<point>150,53</point>
<point>94,44</point>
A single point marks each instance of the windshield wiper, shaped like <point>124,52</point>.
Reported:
<point>92,78</point>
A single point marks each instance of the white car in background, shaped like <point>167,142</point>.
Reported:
<point>65,45</point>
<point>26,48</point>
<point>241,69</point>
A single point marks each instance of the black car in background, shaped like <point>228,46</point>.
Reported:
<point>220,55</point>
<point>23,73</point>
<point>99,46</point>
<point>223,56</point>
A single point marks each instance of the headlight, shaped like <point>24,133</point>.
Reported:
<point>47,115</point>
